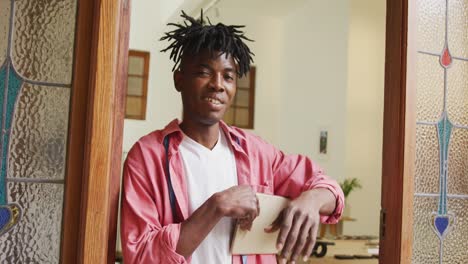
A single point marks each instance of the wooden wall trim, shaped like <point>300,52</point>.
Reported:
<point>103,135</point>
<point>394,240</point>
<point>119,116</point>
<point>76,137</point>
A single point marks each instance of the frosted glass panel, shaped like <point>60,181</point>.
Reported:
<point>135,86</point>
<point>458,163</point>
<point>136,65</point>
<point>457,92</point>
<point>4,23</point>
<point>431,25</point>
<point>39,136</point>
<point>36,238</point>
<point>427,160</point>
<point>425,242</point>
<point>244,82</point>
<point>458,28</point>
<point>242,98</point>
<point>456,243</point>
<point>43,39</point>
<point>429,88</point>
<point>134,106</point>
<point>242,117</point>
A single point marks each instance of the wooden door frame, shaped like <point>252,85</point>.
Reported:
<point>398,142</point>
<point>96,131</point>
<point>101,63</point>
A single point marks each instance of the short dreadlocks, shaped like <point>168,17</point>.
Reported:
<point>195,36</point>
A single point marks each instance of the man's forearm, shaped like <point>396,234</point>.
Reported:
<point>194,230</point>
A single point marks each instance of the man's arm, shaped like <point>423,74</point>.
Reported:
<point>299,223</point>
<point>315,198</point>
<point>236,202</point>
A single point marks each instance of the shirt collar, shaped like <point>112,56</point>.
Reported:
<point>174,130</point>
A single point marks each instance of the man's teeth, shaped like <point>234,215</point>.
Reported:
<point>212,100</point>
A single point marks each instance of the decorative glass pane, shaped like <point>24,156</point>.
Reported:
<point>39,136</point>
<point>36,238</point>
<point>242,98</point>
<point>427,161</point>
<point>440,219</point>
<point>229,116</point>
<point>429,88</point>
<point>242,117</point>
<point>136,65</point>
<point>457,92</point>
<point>458,162</point>
<point>456,243</point>
<point>43,39</point>
<point>431,26</point>
<point>135,86</point>
<point>244,82</point>
<point>458,25</point>
<point>134,106</point>
<point>4,23</point>
<point>425,242</point>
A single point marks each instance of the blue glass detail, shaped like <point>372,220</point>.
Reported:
<point>441,223</point>
<point>5,216</point>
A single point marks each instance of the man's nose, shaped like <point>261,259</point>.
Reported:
<point>217,82</point>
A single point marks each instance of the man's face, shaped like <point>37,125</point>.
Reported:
<point>208,85</point>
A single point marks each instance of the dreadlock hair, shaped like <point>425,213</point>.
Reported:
<point>195,35</point>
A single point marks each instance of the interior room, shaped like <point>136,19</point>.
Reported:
<point>373,91</point>
<point>318,91</point>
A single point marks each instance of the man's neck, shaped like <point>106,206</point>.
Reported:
<point>206,135</point>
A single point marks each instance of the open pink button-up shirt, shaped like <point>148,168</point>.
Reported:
<point>149,232</point>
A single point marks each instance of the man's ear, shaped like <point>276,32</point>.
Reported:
<point>177,76</point>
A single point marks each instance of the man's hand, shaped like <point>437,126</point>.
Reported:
<point>239,202</point>
<point>299,223</point>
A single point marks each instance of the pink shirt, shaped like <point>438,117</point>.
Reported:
<point>149,232</point>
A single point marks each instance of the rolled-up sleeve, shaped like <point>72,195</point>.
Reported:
<point>294,174</point>
<point>144,238</point>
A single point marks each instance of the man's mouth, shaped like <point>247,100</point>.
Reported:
<point>213,100</point>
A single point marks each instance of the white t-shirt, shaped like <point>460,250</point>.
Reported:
<point>207,172</point>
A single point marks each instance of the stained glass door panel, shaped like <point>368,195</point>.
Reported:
<point>36,64</point>
<point>440,223</point>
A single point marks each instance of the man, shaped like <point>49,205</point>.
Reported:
<point>186,184</point>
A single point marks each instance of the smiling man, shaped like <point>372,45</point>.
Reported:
<point>185,185</point>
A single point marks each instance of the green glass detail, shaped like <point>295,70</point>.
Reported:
<point>14,87</point>
<point>2,175</point>
<point>444,130</point>
<point>5,141</point>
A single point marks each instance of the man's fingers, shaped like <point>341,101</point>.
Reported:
<point>302,236</point>
<point>310,241</point>
<point>288,238</point>
<point>286,225</point>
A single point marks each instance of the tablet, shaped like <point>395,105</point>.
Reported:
<point>257,241</point>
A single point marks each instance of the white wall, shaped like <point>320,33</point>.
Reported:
<point>366,53</point>
<point>313,90</point>
<point>319,65</point>
<point>148,22</point>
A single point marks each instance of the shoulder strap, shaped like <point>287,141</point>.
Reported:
<point>172,197</point>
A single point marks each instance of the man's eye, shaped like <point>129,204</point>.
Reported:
<point>203,73</point>
<point>229,77</point>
